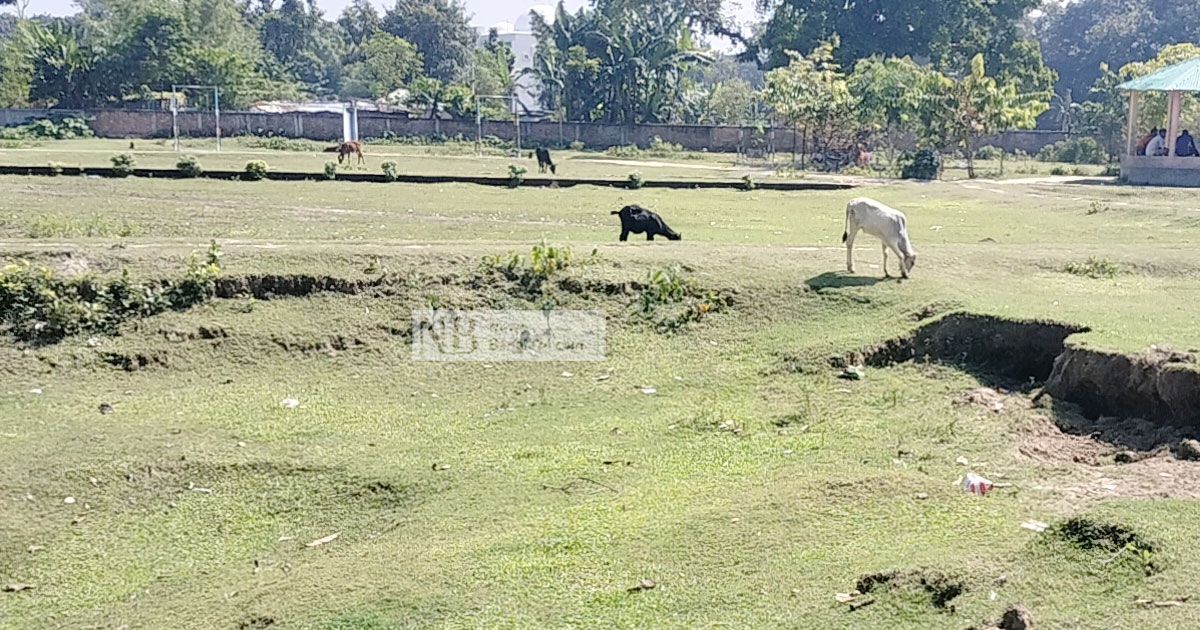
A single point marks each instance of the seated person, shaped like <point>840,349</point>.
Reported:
<point>1185,146</point>
<point>1158,145</point>
<point>1145,140</point>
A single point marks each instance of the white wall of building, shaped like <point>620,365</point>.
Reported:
<point>518,34</point>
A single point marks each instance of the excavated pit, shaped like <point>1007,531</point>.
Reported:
<point>1015,349</point>
<point>1113,391</point>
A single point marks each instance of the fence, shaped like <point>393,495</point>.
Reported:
<point>328,127</point>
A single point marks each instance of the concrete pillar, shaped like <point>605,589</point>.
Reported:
<point>1132,132</point>
<point>1173,114</point>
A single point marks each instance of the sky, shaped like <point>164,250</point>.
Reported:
<point>486,12</point>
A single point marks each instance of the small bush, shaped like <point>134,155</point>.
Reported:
<point>56,168</point>
<point>391,171</point>
<point>277,143</point>
<point>545,262</point>
<point>636,181</point>
<point>662,148</point>
<point>45,129</point>
<point>73,226</point>
<point>627,151</point>
<point>516,175</point>
<point>989,153</point>
<point>925,164</point>
<point>330,172</point>
<point>1059,171</point>
<point>36,306</point>
<point>1097,208</point>
<point>189,166</point>
<point>123,165</point>
<point>748,183</point>
<point>255,170</point>
<point>670,301</point>
<point>1111,170</point>
<point>1095,268</point>
<point>1079,171</point>
<point>577,145</point>
<point>1074,151</point>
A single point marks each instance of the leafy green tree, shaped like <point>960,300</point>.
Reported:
<point>439,29</point>
<point>68,71</point>
<point>359,21</point>
<point>388,63</point>
<point>303,43</point>
<point>889,93</point>
<point>948,33</point>
<point>960,110</point>
<point>812,93</point>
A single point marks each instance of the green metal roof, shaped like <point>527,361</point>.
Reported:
<point>1181,77</point>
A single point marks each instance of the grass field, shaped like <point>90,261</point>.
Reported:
<point>461,160</point>
<point>748,490</point>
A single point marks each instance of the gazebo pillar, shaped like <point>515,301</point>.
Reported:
<point>1174,111</point>
<point>1132,133</point>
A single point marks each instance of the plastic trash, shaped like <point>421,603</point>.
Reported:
<point>289,403</point>
<point>976,485</point>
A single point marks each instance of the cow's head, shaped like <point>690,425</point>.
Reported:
<point>909,262</point>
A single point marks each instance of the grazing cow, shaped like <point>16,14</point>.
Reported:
<point>346,149</point>
<point>887,224</point>
<point>637,219</point>
<point>544,161</point>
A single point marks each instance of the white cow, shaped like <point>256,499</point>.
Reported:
<point>879,220</point>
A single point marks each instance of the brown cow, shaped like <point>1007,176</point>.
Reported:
<point>346,149</point>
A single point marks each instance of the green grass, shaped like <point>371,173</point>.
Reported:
<point>537,495</point>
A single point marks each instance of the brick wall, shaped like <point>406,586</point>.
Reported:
<point>328,127</point>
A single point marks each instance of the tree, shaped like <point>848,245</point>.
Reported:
<point>1077,37</point>
<point>947,33</point>
<point>359,21</point>
<point>388,63</point>
<point>812,93</point>
<point>304,45</point>
<point>439,29</point>
<point>67,70</point>
<point>889,92</point>
<point>960,110</point>
<point>731,103</point>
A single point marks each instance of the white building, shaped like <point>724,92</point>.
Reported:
<point>519,36</point>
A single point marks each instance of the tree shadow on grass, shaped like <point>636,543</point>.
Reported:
<point>841,280</point>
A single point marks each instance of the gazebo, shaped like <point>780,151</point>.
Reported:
<point>1169,170</point>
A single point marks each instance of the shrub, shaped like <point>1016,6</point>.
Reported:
<point>189,166</point>
<point>989,153</point>
<point>123,165</point>
<point>748,183</point>
<point>1112,170</point>
<point>545,262</point>
<point>662,148</point>
<point>636,181</point>
<point>330,170</point>
<point>56,168</point>
<point>577,145</point>
<point>627,151</point>
<point>670,301</point>
<point>1059,170</point>
<point>1074,151</point>
<point>391,171</point>
<point>277,143</point>
<point>36,306</point>
<point>1093,268</point>
<point>516,175</point>
<point>255,170</point>
<point>46,129</point>
<point>925,164</point>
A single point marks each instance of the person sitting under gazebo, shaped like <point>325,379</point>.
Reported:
<point>1158,145</point>
<point>1145,140</point>
<point>1185,146</point>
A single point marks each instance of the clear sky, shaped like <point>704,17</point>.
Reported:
<point>486,12</point>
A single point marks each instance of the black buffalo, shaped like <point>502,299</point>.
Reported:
<point>639,220</point>
<point>544,161</point>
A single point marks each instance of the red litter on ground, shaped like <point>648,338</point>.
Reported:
<point>976,485</point>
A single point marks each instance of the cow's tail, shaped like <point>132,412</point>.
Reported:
<point>846,230</point>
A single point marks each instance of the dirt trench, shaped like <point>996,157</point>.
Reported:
<point>1158,386</point>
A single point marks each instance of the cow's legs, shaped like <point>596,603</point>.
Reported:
<point>850,249</point>
<point>649,236</point>
<point>885,271</point>
<point>624,235</point>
